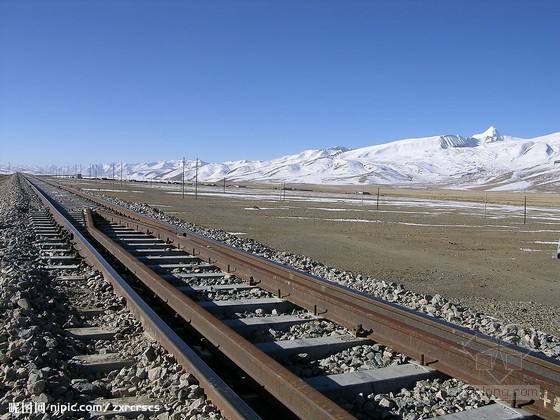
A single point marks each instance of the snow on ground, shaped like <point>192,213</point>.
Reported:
<point>343,220</point>
<point>514,186</point>
<point>117,191</point>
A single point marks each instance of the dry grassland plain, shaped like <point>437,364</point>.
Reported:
<point>433,241</point>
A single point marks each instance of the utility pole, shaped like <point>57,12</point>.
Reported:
<point>196,181</point>
<point>283,191</point>
<point>525,211</point>
<point>183,179</point>
<point>224,184</point>
<point>377,206</point>
<point>121,172</point>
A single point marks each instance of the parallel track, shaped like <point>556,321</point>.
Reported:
<point>189,272</point>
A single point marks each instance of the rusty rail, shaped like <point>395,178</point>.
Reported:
<point>292,391</point>
<point>470,356</point>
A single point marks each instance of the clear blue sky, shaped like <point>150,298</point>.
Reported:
<point>84,81</point>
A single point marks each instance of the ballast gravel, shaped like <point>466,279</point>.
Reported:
<point>310,329</point>
<point>428,398</point>
<point>358,358</point>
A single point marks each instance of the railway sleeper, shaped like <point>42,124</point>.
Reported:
<point>92,333</point>
<point>496,411</point>
<point>373,381</point>
<point>168,259</point>
<point>225,308</point>
<point>155,252</point>
<point>314,348</point>
<point>61,267</point>
<point>193,290</point>
<point>143,245</point>
<point>250,325</point>
<point>50,244</point>
<point>99,363</point>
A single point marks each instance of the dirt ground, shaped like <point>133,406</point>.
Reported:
<point>432,241</point>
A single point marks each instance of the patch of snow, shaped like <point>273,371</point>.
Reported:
<point>117,191</point>
<point>515,186</point>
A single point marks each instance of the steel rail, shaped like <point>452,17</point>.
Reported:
<point>456,351</point>
<point>221,395</point>
<point>292,391</point>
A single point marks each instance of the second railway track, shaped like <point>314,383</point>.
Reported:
<point>305,346</point>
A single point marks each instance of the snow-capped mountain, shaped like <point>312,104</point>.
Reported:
<point>488,160</point>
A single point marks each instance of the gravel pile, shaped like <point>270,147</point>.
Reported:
<point>354,359</point>
<point>198,281</point>
<point>525,314</point>
<point>311,329</point>
<point>435,306</point>
<point>427,399</point>
<point>235,294</point>
<point>35,351</point>
<point>158,377</point>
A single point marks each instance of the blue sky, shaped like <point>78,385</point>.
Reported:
<point>84,81</point>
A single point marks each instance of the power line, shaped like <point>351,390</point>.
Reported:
<point>196,181</point>
<point>183,179</point>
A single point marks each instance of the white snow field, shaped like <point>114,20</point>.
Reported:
<point>488,160</point>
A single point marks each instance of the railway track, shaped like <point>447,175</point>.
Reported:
<point>110,368</point>
<point>286,332</point>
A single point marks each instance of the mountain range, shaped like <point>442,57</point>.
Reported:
<point>487,160</point>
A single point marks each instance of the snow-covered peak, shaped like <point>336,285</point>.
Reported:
<point>489,136</point>
<point>487,158</point>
